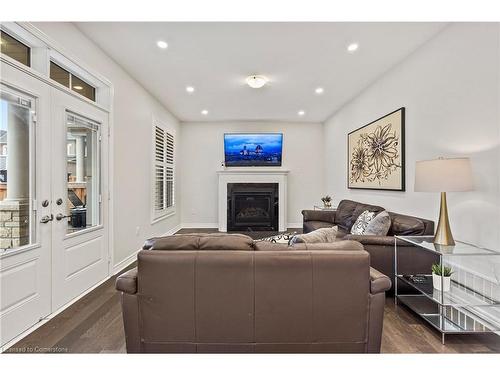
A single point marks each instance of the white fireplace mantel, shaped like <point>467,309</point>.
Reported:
<point>253,175</point>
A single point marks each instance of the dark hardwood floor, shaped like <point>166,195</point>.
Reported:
<point>94,325</point>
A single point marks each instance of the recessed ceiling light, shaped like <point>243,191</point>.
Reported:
<point>190,89</point>
<point>352,47</point>
<point>256,81</point>
<point>319,90</point>
<point>78,87</point>
<point>162,44</point>
<point>301,112</point>
<point>204,112</point>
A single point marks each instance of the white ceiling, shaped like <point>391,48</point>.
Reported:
<point>215,58</point>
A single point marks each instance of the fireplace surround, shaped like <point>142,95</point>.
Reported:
<point>253,175</point>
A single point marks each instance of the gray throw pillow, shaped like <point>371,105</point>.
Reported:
<point>322,235</point>
<point>362,222</point>
<point>379,225</point>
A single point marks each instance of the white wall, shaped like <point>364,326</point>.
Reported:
<point>202,155</point>
<point>450,88</point>
<point>134,109</point>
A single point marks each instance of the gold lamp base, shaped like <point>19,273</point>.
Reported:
<point>443,233</point>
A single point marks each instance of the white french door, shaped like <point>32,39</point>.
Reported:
<point>53,200</point>
<point>26,239</point>
<point>79,172</point>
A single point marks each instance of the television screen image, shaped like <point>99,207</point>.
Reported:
<point>253,150</point>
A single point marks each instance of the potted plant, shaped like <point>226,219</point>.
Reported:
<point>439,272</point>
<point>327,201</point>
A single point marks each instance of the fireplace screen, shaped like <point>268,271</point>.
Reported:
<point>252,207</point>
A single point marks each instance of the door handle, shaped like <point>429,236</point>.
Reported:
<point>60,216</point>
<point>45,219</point>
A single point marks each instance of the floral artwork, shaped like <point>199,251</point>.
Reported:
<point>376,154</point>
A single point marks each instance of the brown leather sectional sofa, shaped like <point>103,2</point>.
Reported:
<point>225,293</point>
<point>381,248</point>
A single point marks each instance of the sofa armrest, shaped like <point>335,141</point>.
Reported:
<point>379,282</point>
<point>375,240</point>
<point>319,215</point>
<point>127,282</point>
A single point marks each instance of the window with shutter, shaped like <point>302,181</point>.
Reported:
<point>163,174</point>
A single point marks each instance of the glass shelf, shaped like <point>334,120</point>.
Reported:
<point>459,295</point>
<point>459,249</point>
<point>451,320</point>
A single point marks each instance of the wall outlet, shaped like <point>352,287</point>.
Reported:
<point>137,231</point>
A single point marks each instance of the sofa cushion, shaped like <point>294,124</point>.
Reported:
<point>310,226</point>
<point>338,245</point>
<point>176,242</point>
<point>270,246</point>
<point>403,225</point>
<point>217,241</point>
<point>341,233</point>
<point>202,241</point>
<point>345,211</point>
<point>322,235</point>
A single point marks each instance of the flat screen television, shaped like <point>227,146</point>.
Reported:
<point>253,149</point>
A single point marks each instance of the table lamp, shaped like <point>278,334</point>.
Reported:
<point>443,175</point>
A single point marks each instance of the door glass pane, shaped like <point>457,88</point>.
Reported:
<point>82,87</point>
<point>16,215</point>
<point>83,173</point>
<point>14,48</point>
<point>59,74</point>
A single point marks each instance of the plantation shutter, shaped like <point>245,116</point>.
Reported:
<point>163,171</point>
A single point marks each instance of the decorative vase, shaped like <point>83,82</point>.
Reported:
<point>327,204</point>
<point>436,282</point>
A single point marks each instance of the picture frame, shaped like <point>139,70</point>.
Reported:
<point>376,154</point>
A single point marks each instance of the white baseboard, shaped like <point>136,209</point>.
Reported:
<point>173,230</point>
<point>124,263</point>
<point>200,225</point>
<point>133,257</point>
<point>294,225</point>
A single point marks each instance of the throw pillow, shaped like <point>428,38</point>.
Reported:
<point>361,222</point>
<point>279,238</point>
<point>379,225</point>
<point>322,235</point>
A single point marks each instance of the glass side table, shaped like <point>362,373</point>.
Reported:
<point>471,301</point>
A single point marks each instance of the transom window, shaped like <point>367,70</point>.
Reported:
<point>71,81</point>
<point>163,176</point>
<point>13,48</point>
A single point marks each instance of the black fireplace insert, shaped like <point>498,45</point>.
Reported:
<point>252,207</point>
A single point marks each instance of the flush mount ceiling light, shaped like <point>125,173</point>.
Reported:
<point>353,47</point>
<point>319,90</point>
<point>162,44</point>
<point>78,87</point>
<point>190,89</point>
<point>301,112</point>
<point>204,112</point>
<point>256,81</point>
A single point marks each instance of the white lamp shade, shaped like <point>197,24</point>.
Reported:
<point>443,175</point>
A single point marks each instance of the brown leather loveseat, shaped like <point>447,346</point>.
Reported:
<point>381,248</point>
<point>220,293</point>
